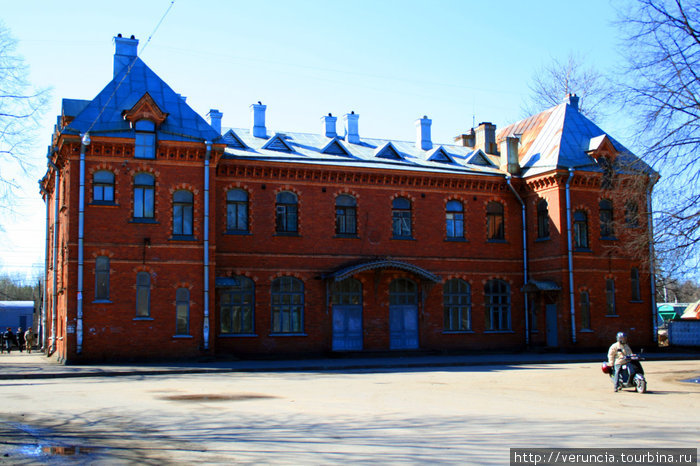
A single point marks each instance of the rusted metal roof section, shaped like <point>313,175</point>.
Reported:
<point>348,271</point>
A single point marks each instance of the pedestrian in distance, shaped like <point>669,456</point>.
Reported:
<point>20,339</point>
<point>9,339</point>
<point>29,339</point>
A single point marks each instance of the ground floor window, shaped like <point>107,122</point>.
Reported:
<point>237,307</point>
<point>457,305</point>
<point>182,311</point>
<point>497,299</point>
<point>287,305</point>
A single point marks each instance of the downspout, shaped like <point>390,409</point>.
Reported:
<point>207,156</point>
<point>44,315</point>
<point>652,268</point>
<point>571,255</point>
<point>525,276</point>
<point>54,304</point>
<point>81,233</point>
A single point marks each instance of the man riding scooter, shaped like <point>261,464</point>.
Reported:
<point>618,354</point>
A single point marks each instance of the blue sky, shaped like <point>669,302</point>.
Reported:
<point>390,61</point>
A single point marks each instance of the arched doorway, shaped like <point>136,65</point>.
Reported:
<point>403,314</point>
<point>347,315</point>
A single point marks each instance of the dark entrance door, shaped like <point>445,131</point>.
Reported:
<point>403,314</point>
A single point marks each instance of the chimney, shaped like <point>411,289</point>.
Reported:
<point>352,134</point>
<point>485,137</point>
<point>423,140</point>
<point>466,140</point>
<point>328,128</point>
<point>572,100</point>
<point>257,121</point>
<point>124,52</point>
<point>509,155</point>
<point>214,117</point>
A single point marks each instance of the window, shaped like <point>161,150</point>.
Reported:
<point>454,220</point>
<point>145,146</point>
<point>401,217</point>
<point>610,297</point>
<point>102,278</point>
<point>238,307</point>
<point>144,196</point>
<point>403,292</point>
<point>457,299</point>
<point>494,221</point>
<point>237,211</point>
<point>182,311</point>
<point>580,230</point>
<point>634,281</point>
<point>287,305</point>
<point>632,214</point>
<point>497,299</point>
<point>347,292</point>
<point>143,294</point>
<point>345,215</point>
<point>584,304</point>
<point>182,213</point>
<point>103,187</point>
<point>542,219</point>
<point>287,213</point>
<point>606,219</point>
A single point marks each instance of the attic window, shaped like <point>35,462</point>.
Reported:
<point>145,145</point>
<point>233,141</point>
<point>335,148</point>
<point>277,143</point>
<point>389,152</point>
<point>439,155</point>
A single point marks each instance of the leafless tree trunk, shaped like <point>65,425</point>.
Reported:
<point>663,92</point>
<point>20,107</point>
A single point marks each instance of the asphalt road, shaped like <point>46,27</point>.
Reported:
<point>461,415</point>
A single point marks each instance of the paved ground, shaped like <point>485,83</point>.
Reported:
<point>446,411</point>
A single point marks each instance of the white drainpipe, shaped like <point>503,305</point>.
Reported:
<point>652,269</point>
<point>571,255</point>
<point>45,297</point>
<point>54,304</point>
<point>525,277</point>
<point>81,233</point>
<point>206,245</point>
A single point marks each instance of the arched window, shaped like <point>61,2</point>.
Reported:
<point>144,196</point>
<point>237,307</point>
<point>347,292</point>
<point>183,202</point>
<point>145,144</point>
<point>606,219</point>
<point>610,297</point>
<point>143,294</point>
<point>580,230</point>
<point>286,208</point>
<point>457,300</point>
<point>634,283</point>
<point>497,300</point>
<point>237,211</point>
<point>542,219</point>
<point>494,221</point>
<point>585,310</point>
<point>403,292</point>
<point>102,278</point>
<point>345,215</point>
<point>287,305</point>
<point>103,187</point>
<point>632,214</point>
<point>182,311</point>
<point>454,219</point>
<point>401,217</point>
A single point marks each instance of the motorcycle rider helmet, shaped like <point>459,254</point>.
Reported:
<point>621,337</point>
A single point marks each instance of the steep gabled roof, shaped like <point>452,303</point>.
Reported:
<point>560,137</point>
<point>104,114</point>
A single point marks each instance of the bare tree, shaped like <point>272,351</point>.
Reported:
<point>553,82</point>
<point>20,106</point>
<point>662,90</point>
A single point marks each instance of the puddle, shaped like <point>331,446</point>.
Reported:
<point>695,380</point>
<point>217,397</point>
<point>43,450</point>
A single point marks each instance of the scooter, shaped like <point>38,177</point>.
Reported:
<point>638,382</point>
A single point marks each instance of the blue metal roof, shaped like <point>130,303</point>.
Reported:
<point>103,115</point>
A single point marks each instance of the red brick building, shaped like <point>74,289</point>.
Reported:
<point>169,237</point>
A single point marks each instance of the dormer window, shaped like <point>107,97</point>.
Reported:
<point>145,146</point>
